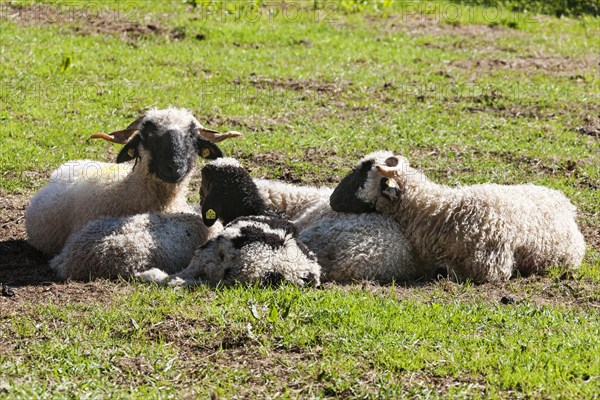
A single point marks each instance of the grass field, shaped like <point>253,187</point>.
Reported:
<point>469,94</point>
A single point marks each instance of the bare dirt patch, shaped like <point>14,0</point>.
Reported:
<point>433,24</point>
<point>299,84</point>
<point>255,123</point>
<point>26,270</point>
<point>568,290</point>
<point>280,161</point>
<point>485,39</point>
<point>488,38</point>
<point>20,264</point>
<point>87,20</point>
<point>540,63</point>
<point>590,125</point>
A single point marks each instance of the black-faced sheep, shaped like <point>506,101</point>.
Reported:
<point>256,245</point>
<point>482,232</point>
<point>164,145</point>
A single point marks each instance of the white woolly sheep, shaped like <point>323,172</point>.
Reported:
<point>112,247</point>
<point>482,232</point>
<point>349,247</point>
<point>256,246</point>
<point>164,145</point>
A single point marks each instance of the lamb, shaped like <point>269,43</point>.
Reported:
<point>349,247</point>
<point>256,245</point>
<point>483,232</point>
<point>119,247</point>
<point>164,145</point>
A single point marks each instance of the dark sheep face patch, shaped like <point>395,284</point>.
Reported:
<point>173,153</point>
<point>252,234</point>
<point>228,192</point>
<point>345,196</point>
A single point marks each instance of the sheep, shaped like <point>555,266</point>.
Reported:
<point>164,145</point>
<point>356,247</point>
<point>111,247</point>
<point>349,247</point>
<point>483,232</point>
<point>256,245</point>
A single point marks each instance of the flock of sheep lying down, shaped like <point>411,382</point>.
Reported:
<point>384,222</point>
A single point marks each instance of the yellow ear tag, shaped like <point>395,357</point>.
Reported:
<point>205,153</point>
<point>391,183</point>
<point>211,214</point>
<point>130,153</point>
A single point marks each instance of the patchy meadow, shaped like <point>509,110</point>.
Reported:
<point>468,93</point>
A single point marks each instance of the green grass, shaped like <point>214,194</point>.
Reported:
<point>344,342</point>
<point>469,97</point>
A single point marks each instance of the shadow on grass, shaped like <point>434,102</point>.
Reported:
<point>22,265</point>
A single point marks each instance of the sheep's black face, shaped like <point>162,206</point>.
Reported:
<point>173,153</point>
<point>228,192</point>
<point>345,196</point>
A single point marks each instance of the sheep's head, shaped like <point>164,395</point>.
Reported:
<point>257,249</point>
<point>228,192</point>
<point>372,179</point>
<point>168,141</point>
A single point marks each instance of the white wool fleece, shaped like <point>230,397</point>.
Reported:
<point>349,247</point>
<point>113,247</point>
<point>222,261</point>
<point>481,232</point>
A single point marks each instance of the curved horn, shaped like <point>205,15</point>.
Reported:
<point>120,137</point>
<point>216,136</point>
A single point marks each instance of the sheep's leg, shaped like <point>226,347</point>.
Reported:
<point>58,264</point>
<point>187,277</point>
<point>152,275</point>
<point>184,278</point>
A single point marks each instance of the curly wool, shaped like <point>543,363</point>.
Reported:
<point>257,249</point>
<point>482,232</point>
<point>254,247</point>
<point>112,247</point>
<point>349,247</point>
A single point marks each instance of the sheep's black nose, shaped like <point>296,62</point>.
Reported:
<point>172,172</point>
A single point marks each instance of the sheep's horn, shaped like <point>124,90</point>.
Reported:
<point>216,136</point>
<point>386,171</point>
<point>120,137</point>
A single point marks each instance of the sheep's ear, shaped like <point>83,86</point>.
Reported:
<point>207,149</point>
<point>211,209</point>
<point>130,150</point>
<point>389,189</point>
